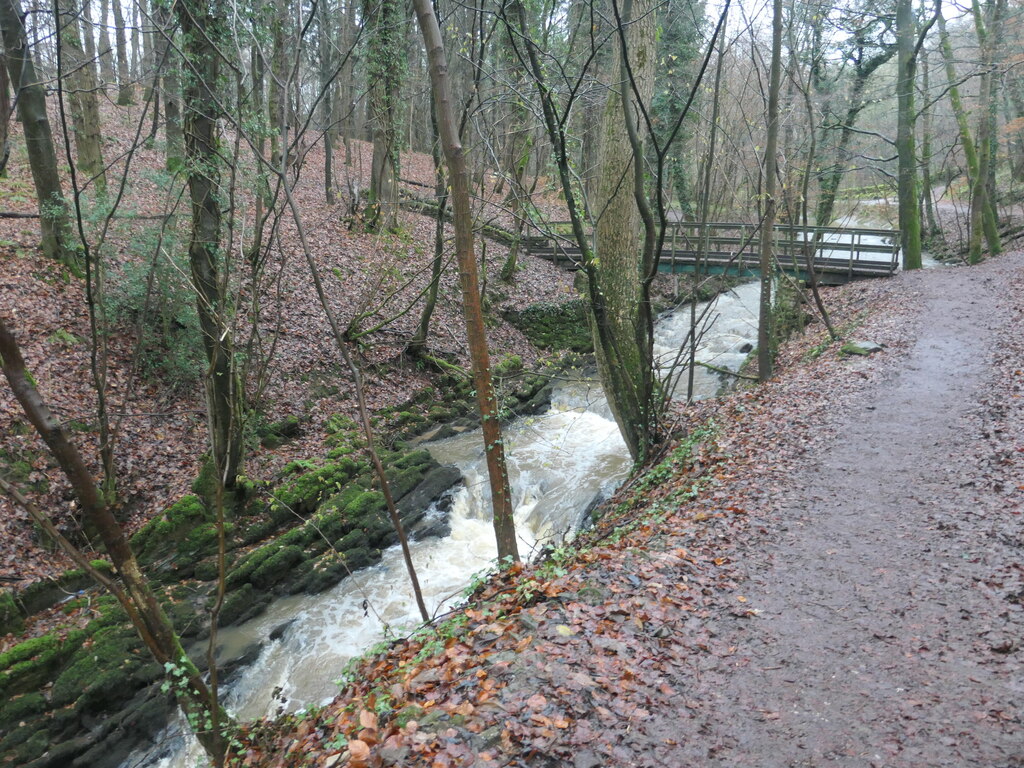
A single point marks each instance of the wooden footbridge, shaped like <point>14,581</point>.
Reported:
<point>839,254</point>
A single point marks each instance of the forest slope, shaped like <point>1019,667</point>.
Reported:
<point>827,569</point>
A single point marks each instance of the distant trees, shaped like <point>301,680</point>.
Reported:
<point>30,95</point>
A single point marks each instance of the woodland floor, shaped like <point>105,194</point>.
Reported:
<point>846,590</point>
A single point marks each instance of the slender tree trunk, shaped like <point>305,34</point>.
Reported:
<point>277,107</point>
<point>928,203</point>
<point>81,89</point>
<point>418,343</point>
<point>124,79</point>
<point>5,114</point>
<point>494,449</point>
<point>909,213</point>
<point>263,197</point>
<point>139,602</point>
<point>517,155</point>
<point>202,29</point>
<point>135,63</point>
<point>327,102</point>
<point>88,32</point>
<point>57,241</point>
<point>171,92</point>
<point>833,176</point>
<point>765,331</point>
<point>106,53</point>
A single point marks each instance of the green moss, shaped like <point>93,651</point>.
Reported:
<point>242,604</point>
<point>551,325</point>
<point>26,743</point>
<point>30,665</point>
<point>365,504</point>
<point>10,617</point>
<point>201,541</point>
<point>20,707</point>
<point>275,433</point>
<point>303,494</point>
<point>100,675</point>
<point>205,484</point>
<point>164,533</point>
<point>352,540</point>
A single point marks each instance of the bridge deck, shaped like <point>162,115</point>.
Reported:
<point>841,255</point>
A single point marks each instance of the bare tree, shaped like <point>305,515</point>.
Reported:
<point>494,449</point>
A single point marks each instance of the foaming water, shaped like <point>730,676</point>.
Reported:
<point>559,463</point>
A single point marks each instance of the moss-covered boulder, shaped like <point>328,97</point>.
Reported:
<point>164,534</point>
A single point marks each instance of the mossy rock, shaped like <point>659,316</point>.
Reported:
<point>26,743</point>
<point>360,558</point>
<point>11,620</point>
<point>206,570</point>
<point>101,674</point>
<point>28,666</point>
<point>202,541</point>
<point>364,505</point>
<point>242,605</point>
<point>265,567</point>
<point>352,540</point>
<point>258,531</point>
<point>162,535</point>
<point>41,595</point>
<point>20,707</point>
<point>550,325</point>
<point>303,494</point>
<point>276,433</point>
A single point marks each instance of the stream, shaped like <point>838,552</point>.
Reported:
<point>560,463</point>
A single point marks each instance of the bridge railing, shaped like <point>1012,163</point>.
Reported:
<point>855,248</point>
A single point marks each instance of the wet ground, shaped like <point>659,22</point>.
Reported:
<point>891,628</point>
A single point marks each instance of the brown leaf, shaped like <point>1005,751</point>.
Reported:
<point>537,701</point>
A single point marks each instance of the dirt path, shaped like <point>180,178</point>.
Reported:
<point>886,637</point>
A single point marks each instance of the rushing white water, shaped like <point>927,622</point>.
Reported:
<point>559,463</point>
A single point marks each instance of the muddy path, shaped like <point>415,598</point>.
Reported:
<point>889,629</point>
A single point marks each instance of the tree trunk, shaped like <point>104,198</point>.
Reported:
<point>765,331</point>
<point>909,213</point>
<point>386,65</point>
<point>327,101</point>
<point>105,53</point>
<point>5,114</point>
<point>141,605</point>
<point>124,80</point>
<point>933,231</point>
<point>519,147</point>
<point>42,158</point>
<point>81,88</point>
<point>981,207</point>
<point>624,357</point>
<point>494,449</point>
<point>202,29</point>
<point>418,343</point>
<point>832,177</point>
<point>277,107</point>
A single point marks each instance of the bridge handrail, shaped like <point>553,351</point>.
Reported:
<point>559,227</point>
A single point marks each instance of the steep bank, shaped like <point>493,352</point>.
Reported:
<point>646,644</point>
